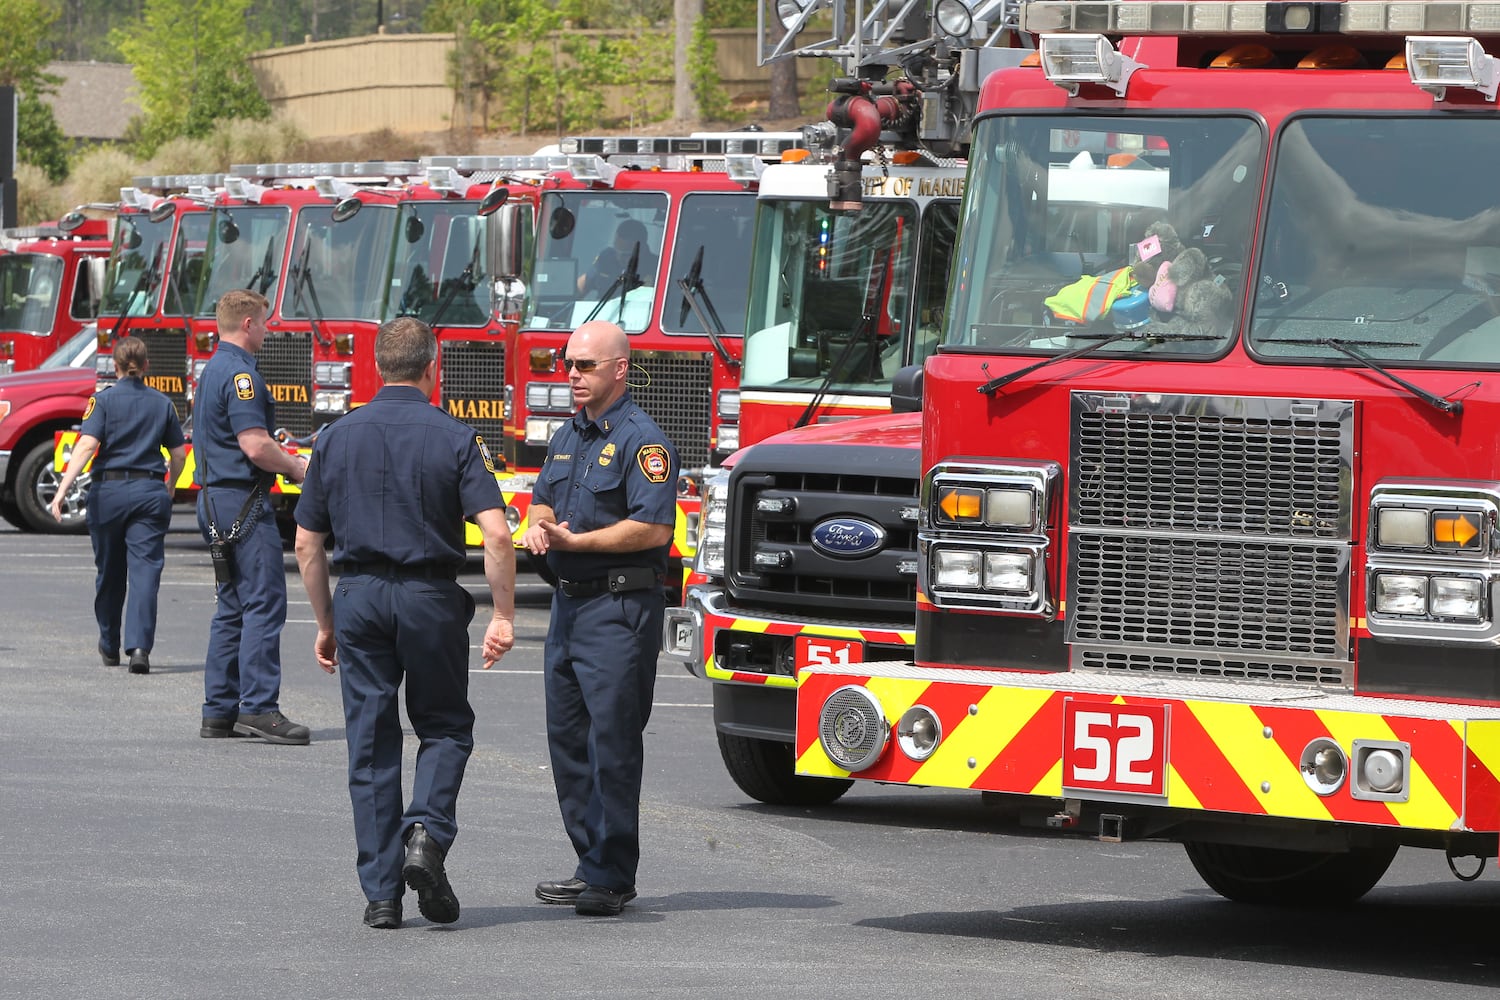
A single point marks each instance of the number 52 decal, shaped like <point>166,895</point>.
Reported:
<point>1114,748</point>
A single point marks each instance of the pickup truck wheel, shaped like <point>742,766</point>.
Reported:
<point>765,771</point>
<point>1289,878</point>
<point>12,514</point>
<point>36,485</point>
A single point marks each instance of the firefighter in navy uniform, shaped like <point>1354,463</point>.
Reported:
<point>392,482</point>
<point>237,460</point>
<point>602,514</point>
<point>129,507</point>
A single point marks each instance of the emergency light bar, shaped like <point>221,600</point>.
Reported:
<point>164,183</point>
<point>1211,17</point>
<point>374,171</point>
<point>766,144</point>
<point>468,165</point>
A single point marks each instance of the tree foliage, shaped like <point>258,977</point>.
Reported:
<point>24,55</point>
<point>190,59</point>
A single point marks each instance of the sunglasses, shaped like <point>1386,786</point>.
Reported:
<point>583,366</point>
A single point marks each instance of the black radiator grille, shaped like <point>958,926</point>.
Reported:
<point>675,390</point>
<point>473,387</point>
<point>167,349</point>
<point>285,362</point>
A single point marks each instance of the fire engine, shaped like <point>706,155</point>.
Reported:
<point>51,277</point>
<point>1208,544</point>
<point>808,546</point>
<point>653,233</point>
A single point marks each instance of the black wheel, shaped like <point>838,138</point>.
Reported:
<point>765,771</point>
<point>12,514</point>
<point>1289,878</point>
<point>36,485</point>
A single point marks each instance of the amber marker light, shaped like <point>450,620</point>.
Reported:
<point>958,504</point>
<point>1455,530</point>
<point>543,359</point>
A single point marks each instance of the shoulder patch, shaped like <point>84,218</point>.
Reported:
<point>484,452</point>
<point>87,410</point>
<point>652,459</point>
<point>244,386</point>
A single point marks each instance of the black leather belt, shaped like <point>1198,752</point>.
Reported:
<point>233,484</point>
<point>384,567</point>
<point>619,581</point>
<point>110,475</point>
<point>581,588</point>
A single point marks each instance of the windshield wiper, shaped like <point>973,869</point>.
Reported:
<point>627,281</point>
<point>302,282</point>
<point>692,290</point>
<point>465,280</point>
<point>266,273</point>
<point>1453,407</point>
<point>144,285</point>
<point>1101,341</point>
<point>880,271</point>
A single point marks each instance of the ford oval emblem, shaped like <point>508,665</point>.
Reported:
<point>848,537</point>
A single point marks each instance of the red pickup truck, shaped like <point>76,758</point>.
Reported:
<point>34,405</point>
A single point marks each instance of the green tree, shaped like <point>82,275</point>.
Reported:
<point>24,55</point>
<point>190,60</point>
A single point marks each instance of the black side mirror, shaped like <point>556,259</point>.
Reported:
<point>229,232</point>
<point>347,209</point>
<point>906,390</point>
<point>560,227</point>
<point>493,200</point>
<point>413,229</point>
<point>71,221</point>
<point>162,212</point>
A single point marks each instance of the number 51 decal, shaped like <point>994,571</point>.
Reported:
<point>1114,748</point>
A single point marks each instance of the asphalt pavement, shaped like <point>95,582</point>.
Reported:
<point>145,862</point>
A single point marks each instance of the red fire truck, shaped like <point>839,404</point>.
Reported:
<point>51,277</point>
<point>808,543</point>
<point>1217,566</point>
<point>652,233</point>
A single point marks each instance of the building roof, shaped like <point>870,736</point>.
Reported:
<point>95,100</point>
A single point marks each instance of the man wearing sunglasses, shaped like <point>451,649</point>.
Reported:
<point>602,514</point>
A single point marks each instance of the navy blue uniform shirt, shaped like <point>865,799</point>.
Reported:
<point>618,468</point>
<point>394,480</point>
<point>231,397</point>
<point>133,423</point>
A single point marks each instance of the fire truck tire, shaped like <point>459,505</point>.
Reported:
<point>765,771</point>
<point>1289,878</point>
<point>36,485</point>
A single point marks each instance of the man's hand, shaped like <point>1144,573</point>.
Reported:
<point>327,651</point>
<point>542,536</point>
<point>499,637</point>
<point>56,506</point>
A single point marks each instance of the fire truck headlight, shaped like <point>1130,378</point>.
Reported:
<point>729,438</point>
<point>1008,571</point>
<point>1006,508</point>
<point>332,374</point>
<point>1457,597</point>
<point>713,523</point>
<point>539,430</point>
<point>956,568</point>
<point>852,728</point>
<point>1402,527</point>
<point>104,366</point>
<point>539,396</point>
<point>7,366</point>
<point>331,401</point>
<point>918,732</point>
<point>1400,594</point>
<point>729,404</point>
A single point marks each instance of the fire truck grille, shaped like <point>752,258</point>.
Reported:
<point>1211,538</point>
<point>167,349</point>
<point>474,387</point>
<point>676,390</point>
<point>772,559</point>
<point>285,362</point>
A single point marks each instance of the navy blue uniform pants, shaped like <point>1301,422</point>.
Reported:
<point>128,522</point>
<point>387,628</point>
<point>600,675</point>
<point>242,669</point>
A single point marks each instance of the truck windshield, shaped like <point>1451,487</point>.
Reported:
<point>188,261</point>
<point>1081,227</point>
<point>338,269</point>
<point>245,247</point>
<point>815,273</point>
<point>133,279</point>
<point>29,286</point>
<point>440,257</point>
<point>1377,239</point>
<point>597,256</point>
<point>712,248</point>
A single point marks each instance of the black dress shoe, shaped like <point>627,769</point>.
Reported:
<point>597,901</point>
<point>107,658</point>
<point>383,914</point>
<point>218,729</point>
<point>563,891</point>
<point>140,662</point>
<point>273,727</point>
<point>423,871</point>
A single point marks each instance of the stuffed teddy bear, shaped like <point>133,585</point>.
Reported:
<point>1186,297</point>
